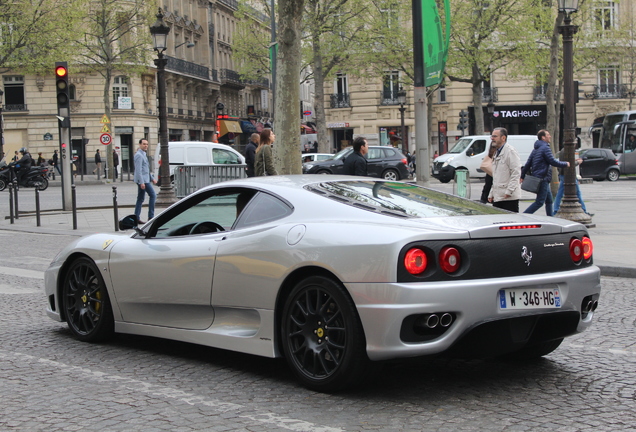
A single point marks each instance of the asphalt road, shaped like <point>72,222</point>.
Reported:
<point>51,382</point>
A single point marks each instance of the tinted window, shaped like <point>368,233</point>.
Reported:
<point>479,147</point>
<point>263,208</point>
<point>592,154</point>
<point>375,153</point>
<point>390,153</point>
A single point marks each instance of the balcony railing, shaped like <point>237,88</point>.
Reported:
<point>231,77</point>
<point>187,67</point>
<point>233,4</point>
<point>116,105</point>
<point>340,100</point>
<point>15,107</point>
<point>388,98</point>
<point>489,94</point>
<point>261,82</point>
<point>608,91</point>
<point>215,75</point>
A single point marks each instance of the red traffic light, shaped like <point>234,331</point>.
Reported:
<point>61,71</point>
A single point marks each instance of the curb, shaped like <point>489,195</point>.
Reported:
<point>616,271</point>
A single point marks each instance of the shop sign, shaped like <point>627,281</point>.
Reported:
<point>337,125</point>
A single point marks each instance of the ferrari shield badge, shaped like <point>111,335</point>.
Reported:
<point>106,244</point>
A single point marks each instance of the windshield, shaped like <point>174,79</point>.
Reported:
<point>461,145</point>
<point>609,139</point>
<point>342,153</point>
<point>400,199</point>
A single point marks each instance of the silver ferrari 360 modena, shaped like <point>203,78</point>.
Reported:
<point>335,274</point>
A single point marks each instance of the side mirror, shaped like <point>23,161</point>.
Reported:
<point>128,222</point>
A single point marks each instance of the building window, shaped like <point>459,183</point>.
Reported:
<point>14,93</point>
<point>340,98</point>
<point>120,89</point>
<point>71,92</point>
<point>390,88</point>
<point>609,82</point>
<point>389,13</point>
<point>441,94</point>
<point>605,15</point>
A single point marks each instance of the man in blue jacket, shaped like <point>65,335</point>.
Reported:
<point>144,179</point>
<point>538,165</point>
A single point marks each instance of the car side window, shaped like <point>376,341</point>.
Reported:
<point>223,157</point>
<point>375,153</point>
<point>479,147</point>
<point>262,209</point>
<point>593,154</point>
<point>213,212</point>
<point>389,152</point>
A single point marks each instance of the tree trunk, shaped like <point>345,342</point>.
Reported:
<point>477,95</point>
<point>287,153</point>
<point>319,98</point>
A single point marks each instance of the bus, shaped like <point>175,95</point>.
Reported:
<point>619,135</point>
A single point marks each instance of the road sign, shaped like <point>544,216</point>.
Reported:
<point>105,139</point>
<point>105,119</point>
<point>306,113</point>
<point>105,129</point>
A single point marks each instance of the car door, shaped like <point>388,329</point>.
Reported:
<point>375,161</point>
<point>165,277</point>
<point>593,163</point>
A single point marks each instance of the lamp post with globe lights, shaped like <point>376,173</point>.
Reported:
<point>159,31</point>
<point>571,208</point>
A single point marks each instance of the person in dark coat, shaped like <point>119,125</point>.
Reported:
<point>538,165</point>
<point>356,163</point>
<point>115,162</point>
<point>250,151</point>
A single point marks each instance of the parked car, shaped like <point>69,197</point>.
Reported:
<point>599,164</point>
<point>334,273</point>
<point>197,153</point>
<point>382,161</point>
<point>314,157</point>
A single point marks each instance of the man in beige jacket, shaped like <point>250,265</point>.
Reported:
<point>506,167</point>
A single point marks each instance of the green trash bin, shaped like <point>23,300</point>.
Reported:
<point>461,186</point>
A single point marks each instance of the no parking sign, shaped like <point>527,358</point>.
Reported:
<point>105,139</point>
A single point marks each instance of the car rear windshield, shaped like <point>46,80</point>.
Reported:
<point>400,199</point>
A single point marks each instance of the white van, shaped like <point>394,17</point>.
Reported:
<point>469,151</point>
<point>198,153</point>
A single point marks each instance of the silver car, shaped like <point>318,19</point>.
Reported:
<point>334,273</point>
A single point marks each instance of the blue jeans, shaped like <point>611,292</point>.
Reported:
<point>543,196</point>
<point>561,191</point>
<point>141,194</point>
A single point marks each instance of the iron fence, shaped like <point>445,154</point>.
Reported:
<point>189,179</point>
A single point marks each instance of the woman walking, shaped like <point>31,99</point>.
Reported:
<point>263,159</point>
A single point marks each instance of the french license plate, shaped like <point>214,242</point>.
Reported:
<point>529,298</point>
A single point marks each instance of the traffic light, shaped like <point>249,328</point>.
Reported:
<point>463,120</point>
<point>62,94</point>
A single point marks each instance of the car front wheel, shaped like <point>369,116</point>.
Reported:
<point>613,175</point>
<point>391,175</point>
<point>322,336</point>
<point>86,303</point>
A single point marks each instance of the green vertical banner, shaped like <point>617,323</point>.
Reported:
<point>435,42</point>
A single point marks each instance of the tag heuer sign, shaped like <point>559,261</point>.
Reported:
<point>48,136</point>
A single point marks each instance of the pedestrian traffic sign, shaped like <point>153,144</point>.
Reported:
<point>105,139</point>
<point>105,119</point>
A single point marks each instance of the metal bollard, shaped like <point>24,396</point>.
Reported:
<point>15,198</point>
<point>115,212</point>
<point>74,204</point>
<point>11,202</point>
<point>37,206</point>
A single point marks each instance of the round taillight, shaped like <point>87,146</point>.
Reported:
<point>576,250</point>
<point>588,248</point>
<point>415,261</point>
<point>449,259</point>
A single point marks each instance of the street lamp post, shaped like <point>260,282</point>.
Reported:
<point>401,96</point>
<point>491,112</point>
<point>159,31</point>
<point>1,128</point>
<point>571,208</point>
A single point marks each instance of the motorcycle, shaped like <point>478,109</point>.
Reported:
<point>36,177</point>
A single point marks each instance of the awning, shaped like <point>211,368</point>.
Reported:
<point>229,126</point>
<point>248,127</point>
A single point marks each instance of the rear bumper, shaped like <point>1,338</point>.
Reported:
<point>386,308</point>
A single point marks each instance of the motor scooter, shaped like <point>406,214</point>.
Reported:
<point>36,177</point>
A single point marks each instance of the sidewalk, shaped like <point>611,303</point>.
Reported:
<point>614,234</point>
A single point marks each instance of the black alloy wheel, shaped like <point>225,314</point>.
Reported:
<point>42,184</point>
<point>322,336</point>
<point>86,304</point>
<point>3,185</point>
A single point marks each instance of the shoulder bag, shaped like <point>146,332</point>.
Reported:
<point>531,183</point>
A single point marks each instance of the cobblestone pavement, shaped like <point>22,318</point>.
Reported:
<point>51,382</point>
